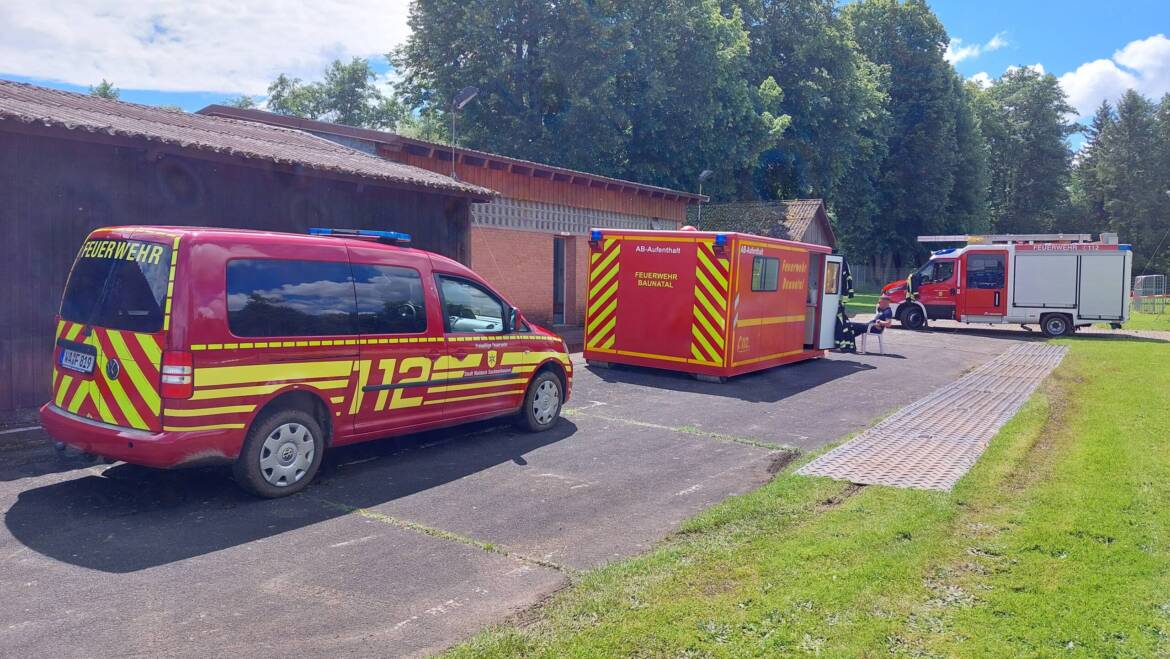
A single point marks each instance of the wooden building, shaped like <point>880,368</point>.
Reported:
<point>70,163</point>
<point>532,239</point>
<point>791,219</point>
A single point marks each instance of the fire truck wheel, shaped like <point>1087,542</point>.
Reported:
<point>1056,324</point>
<point>542,403</point>
<point>913,318</point>
<point>281,453</point>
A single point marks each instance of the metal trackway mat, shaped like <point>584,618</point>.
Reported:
<point>931,443</point>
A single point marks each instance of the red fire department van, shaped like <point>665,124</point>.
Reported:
<point>711,304</point>
<point>180,346</point>
<point>1061,281</point>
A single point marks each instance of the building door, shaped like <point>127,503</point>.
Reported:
<point>558,280</point>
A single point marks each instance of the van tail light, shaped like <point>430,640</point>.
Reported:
<point>178,375</point>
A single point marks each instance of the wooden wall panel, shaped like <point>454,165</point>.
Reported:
<point>53,192</point>
<point>531,188</point>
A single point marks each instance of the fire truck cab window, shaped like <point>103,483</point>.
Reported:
<point>469,308</point>
<point>290,298</point>
<point>390,300</point>
<point>765,273</point>
<point>985,271</point>
<point>937,271</point>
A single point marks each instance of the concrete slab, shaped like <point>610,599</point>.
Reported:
<point>805,405</point>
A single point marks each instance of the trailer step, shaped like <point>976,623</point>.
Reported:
<point>930,444</point>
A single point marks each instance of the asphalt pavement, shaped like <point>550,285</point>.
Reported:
<point>408,545</point>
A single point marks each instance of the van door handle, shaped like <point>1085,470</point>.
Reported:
<point>997,298</point>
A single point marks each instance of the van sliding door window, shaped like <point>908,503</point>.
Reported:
<point>390,300</point>
<point>290,298</point>
<point>765,273</point>
<point>469,308</point>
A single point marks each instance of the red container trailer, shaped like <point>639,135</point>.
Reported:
<point>708,303</point>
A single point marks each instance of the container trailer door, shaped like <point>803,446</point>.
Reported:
<point>830,298</point>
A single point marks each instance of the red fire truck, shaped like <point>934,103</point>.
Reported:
<point>711,304</point>
<point>1060,281</point>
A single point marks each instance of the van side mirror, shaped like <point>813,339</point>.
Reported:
<point>513,320</point>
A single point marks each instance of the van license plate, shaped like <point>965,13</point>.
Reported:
<point>76,361</point>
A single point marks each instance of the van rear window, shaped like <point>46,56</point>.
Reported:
<point>290,298</point>
<point>119,284</point>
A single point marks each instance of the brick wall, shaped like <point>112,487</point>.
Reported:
<point>520,265</point>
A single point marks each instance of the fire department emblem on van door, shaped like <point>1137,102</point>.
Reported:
<point>491,358</point>
<point>113,369</point>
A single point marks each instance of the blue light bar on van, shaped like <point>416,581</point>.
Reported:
<point>390,236</point>
<point>720,240</point>
<point>595,235</point>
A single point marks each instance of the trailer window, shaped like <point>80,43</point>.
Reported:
<point>765,273</point>
<point>832,278</point>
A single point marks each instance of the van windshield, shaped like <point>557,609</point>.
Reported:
<point>119,284</point>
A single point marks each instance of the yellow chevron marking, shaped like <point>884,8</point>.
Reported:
<point>596,303</point>
<point>602,265</point>
<point>260,373</point>
<point>79,397</point>
<point>440,401</point>
<point>702,300</point>
<point>387,368</point>
<point>150,347</point>
<point>59,398</point>
<point>73,332</point>
<point>144,388</point>
<point>712,269</point>
<point>769,320</point>
<point>715,336</point>
<point>232,392</point>
<point>716,296</point>
<point>712,353</point>
<point>601,281</point>
<point>210,411</point>
<point>602,316</point>
<point>593,337</point>
<point>214,426</point>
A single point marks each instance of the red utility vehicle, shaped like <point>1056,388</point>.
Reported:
<point>711,304</point>
<point>179,346</point>
<point>1061,281</point>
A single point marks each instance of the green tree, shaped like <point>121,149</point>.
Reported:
<point>348,94</point>
<point>105,89</point>
<point>1133,181</point>
<point>1024,112</point>
<point>651,91</point>
<point>243,101</point>
<point>917,176</point>
<point>1086,191</point>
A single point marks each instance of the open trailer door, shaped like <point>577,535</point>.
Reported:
<point>830,298</point>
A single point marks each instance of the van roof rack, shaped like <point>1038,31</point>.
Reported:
<point>387,237</point>
<point>1010,238</point>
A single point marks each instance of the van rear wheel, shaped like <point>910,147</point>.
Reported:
<point>281,454</point>
<point>542,403</point>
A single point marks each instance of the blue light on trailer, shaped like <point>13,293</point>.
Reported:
<point>720,240</point>
<point>595,235</point>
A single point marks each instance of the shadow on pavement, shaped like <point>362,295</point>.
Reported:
<point>1016,333</point>
<point>132,518</point>
<point>767,386</point>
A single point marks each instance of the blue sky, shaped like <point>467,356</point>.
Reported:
<point>176,52</point>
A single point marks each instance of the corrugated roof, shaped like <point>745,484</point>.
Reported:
<point>788,219</point>
<point>242,139</point>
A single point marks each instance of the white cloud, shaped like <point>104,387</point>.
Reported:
<point>228,46</point>
<point>957,52</point>
<point>983,79</point>
<point>1143,65</point>
<point>1037,67</point>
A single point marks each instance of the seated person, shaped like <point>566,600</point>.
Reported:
<point>883,317</point>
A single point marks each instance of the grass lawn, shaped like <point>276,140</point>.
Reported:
<point>862,303</point>
<point>1058,542</point>
<point>1149,321</point>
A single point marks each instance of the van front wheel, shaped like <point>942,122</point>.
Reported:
<point>281,454</point>
<point>542,403</point>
